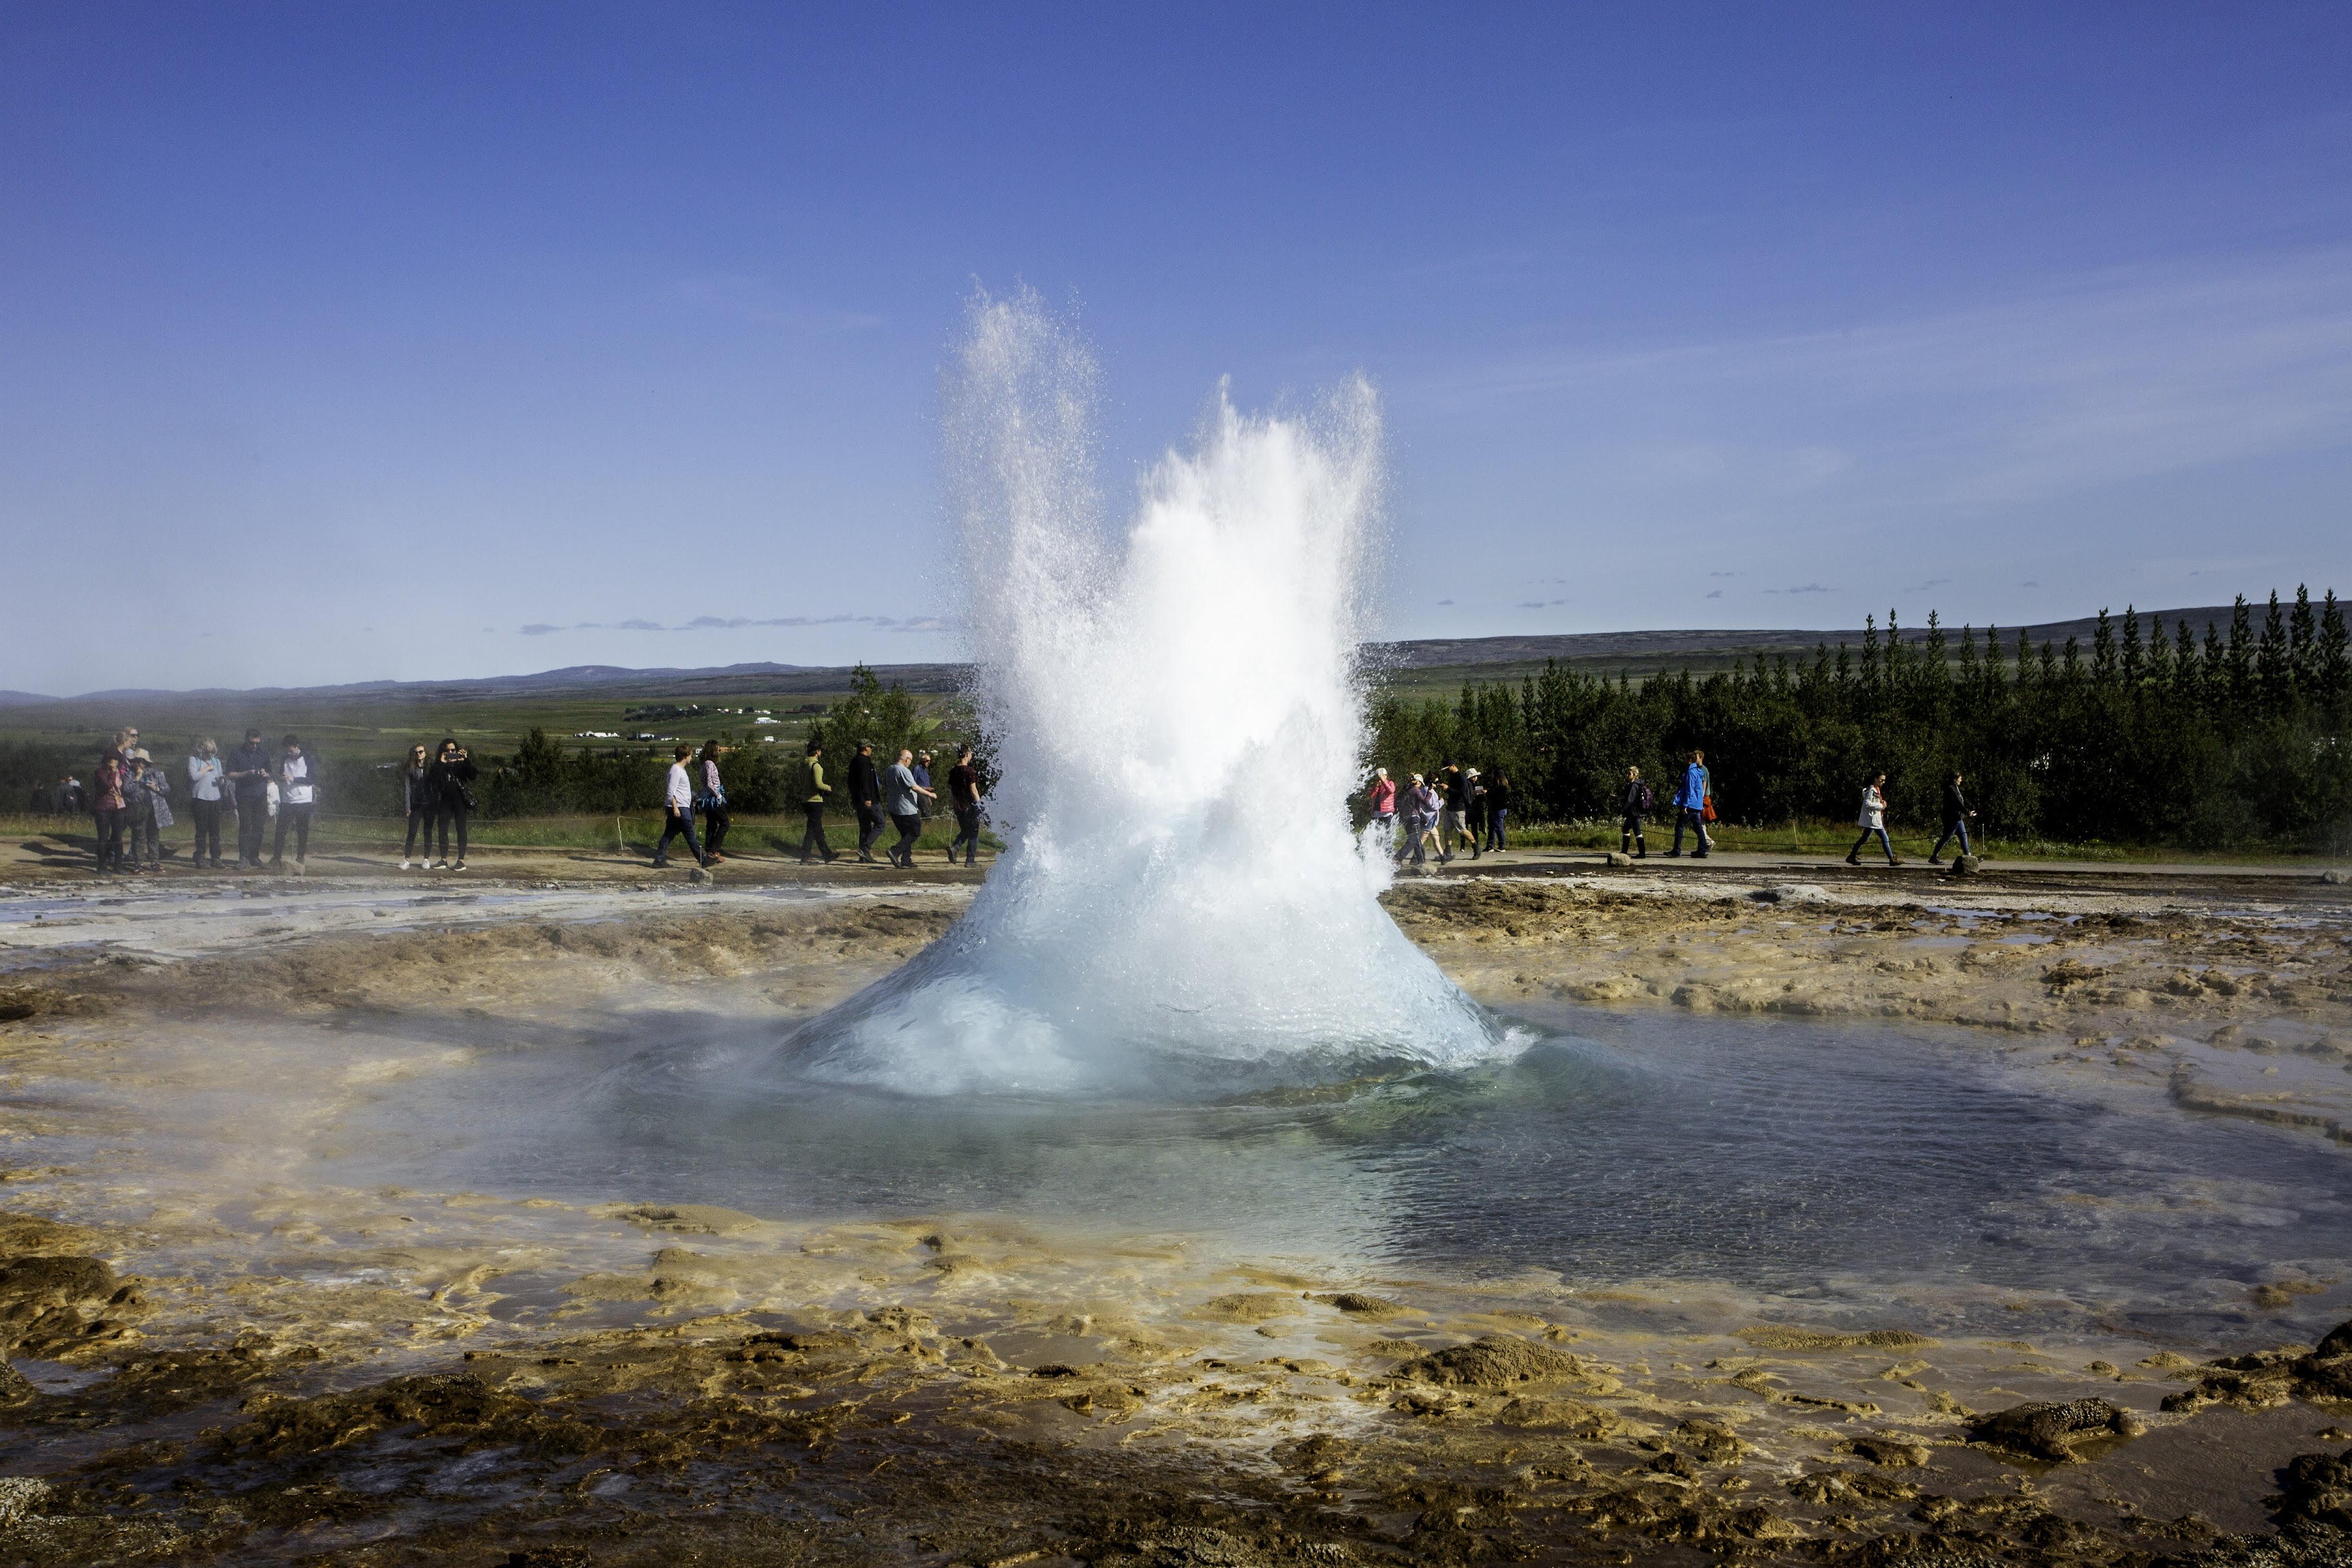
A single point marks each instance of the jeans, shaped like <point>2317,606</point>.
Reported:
<point>144,844</point>
<point>1883,843</point>
<point>1494,828</point>
<point>298,818</point>
<point>206,814</point>
<point>252,820</point>
<point>1959,826</point>
<point>967,835</point>
<point>869,828</point>
<point>676,824</point>
<point>1629,833</point>
<point>1415,846</point>
<point>813,840</point>
<point>451,811</point>
<point>420,826</point>
<point>109,838</point>
<point>1693,820</point>
<point>715,823</point>
<point>910,827</point>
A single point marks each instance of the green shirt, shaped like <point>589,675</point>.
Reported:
<point>813,789</point>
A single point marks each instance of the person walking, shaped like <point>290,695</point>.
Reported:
<point>1430,809</point>
<point>1956,821</point>
<point>1499,810</point>
<point>678,811</point>
<point>866,798</point>
<point>963,799</point>
<point>453,800</point>
<point>71,797</point>
<point>1380,797</point>
<point>107,809</point>
<point>205,775</point>
<point>297,798</point>
<point>1635,805</point>
<point>712,798</point>
<point>1693,800</point>
<point>1872,819</point>
<point>416,797</point>
<point>812,791</point>
<point>923,777</point>
<point>906,802</point>
<point>248,774</point>
<point>1410,822</point>
<point>1473,809</point>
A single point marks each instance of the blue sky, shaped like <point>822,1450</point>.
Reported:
<point>370,341</point>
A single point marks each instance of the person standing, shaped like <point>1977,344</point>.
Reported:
<point>416,802</point>
<point>678,811</point>
<point>248,774</point>
<point>713,802</point>
<point>204,800</point>
<point>963,799</point>
<point>923,777</point>
<point>866,798</point>
<point>1635,805</point>
<point>1453,811</point>
<point>452,802</point>
<point>812,791</point>
<point>1872,819</point>
<point>106,806</point>
<point>297,798</point>
<point>1499,810</point>
<point>71,797</point>
<point>1429,812</point>
<point>1692,802</point>
<point>1380,796</point>
<point>1957,817</point>
<point>906,802</point>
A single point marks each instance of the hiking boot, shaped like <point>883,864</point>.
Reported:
<point>1673,854</point>
<point>1853,859</point>
<point>661,864</point>
<point>1898,862</point>
<point>1933,860</point>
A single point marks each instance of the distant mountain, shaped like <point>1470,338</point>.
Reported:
<point>1665,649</point>
<point>1637,650</point>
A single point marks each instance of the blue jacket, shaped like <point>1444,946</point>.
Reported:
<point>1693,793</point>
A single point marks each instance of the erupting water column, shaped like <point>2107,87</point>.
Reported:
<point>1176,715</point>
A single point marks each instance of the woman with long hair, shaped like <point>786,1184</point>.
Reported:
<point>453,770</point>
<point>107,807</point>
<point>1871,819</point>
<point>711,796</point>
<point>417,800</point>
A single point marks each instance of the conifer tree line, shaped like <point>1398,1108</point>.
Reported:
<point>2212,737</point>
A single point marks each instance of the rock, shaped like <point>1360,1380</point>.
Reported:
<point>692,1219</point>
<point>61,1281</point>
<point>1497,1361</point>
<point>2318,1488</point>
<point>1893,1450</point>
<point>1782,1337</point>
<point>2052,1431</point>
<point>1571,1417</point>
<point>1618,857</point>
<point>1362,1306</point>
<point>2336,876</point>
<point>1790,893</point>
<point>1965,866</point>
<point>697,874</point>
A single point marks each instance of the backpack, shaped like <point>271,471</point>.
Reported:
<point>1649,803</point>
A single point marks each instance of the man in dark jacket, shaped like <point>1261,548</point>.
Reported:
<point>248,772</point>
<point>1956,821</point>
<point>865,795</point>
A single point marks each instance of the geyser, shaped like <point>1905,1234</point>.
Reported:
<point>1176,714</point>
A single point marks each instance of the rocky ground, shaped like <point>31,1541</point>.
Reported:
<point>344,1376</point>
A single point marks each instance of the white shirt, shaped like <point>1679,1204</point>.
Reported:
<point>681,788</point>
<point>299,788</point>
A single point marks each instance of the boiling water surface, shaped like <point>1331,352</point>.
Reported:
<point>1846,1164</point>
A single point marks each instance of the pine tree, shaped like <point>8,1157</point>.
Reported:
<point>2072,659</point>
<point>2024,662</point>
<point>2217,673</point>
<point>2335,659</point>
<point>2133,666</point>
<point>2241,654</point>
<point>2275,673</point>
<point>2303,642</point>
<point>2159,655</point>
<point>2103,652</point>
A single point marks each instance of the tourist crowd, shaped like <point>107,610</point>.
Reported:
<point>267,794</point>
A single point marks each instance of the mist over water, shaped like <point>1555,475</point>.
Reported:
<point>1176,714</point>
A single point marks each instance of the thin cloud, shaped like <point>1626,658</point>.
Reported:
<point>734,622</point>
<point>1930,583</point>
<point>1715,593</point>
<point>1540,604</point>
<point>1807,588</point>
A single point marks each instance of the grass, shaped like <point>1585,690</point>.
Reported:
<point>634,833</point>
<point>1824,836</point>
